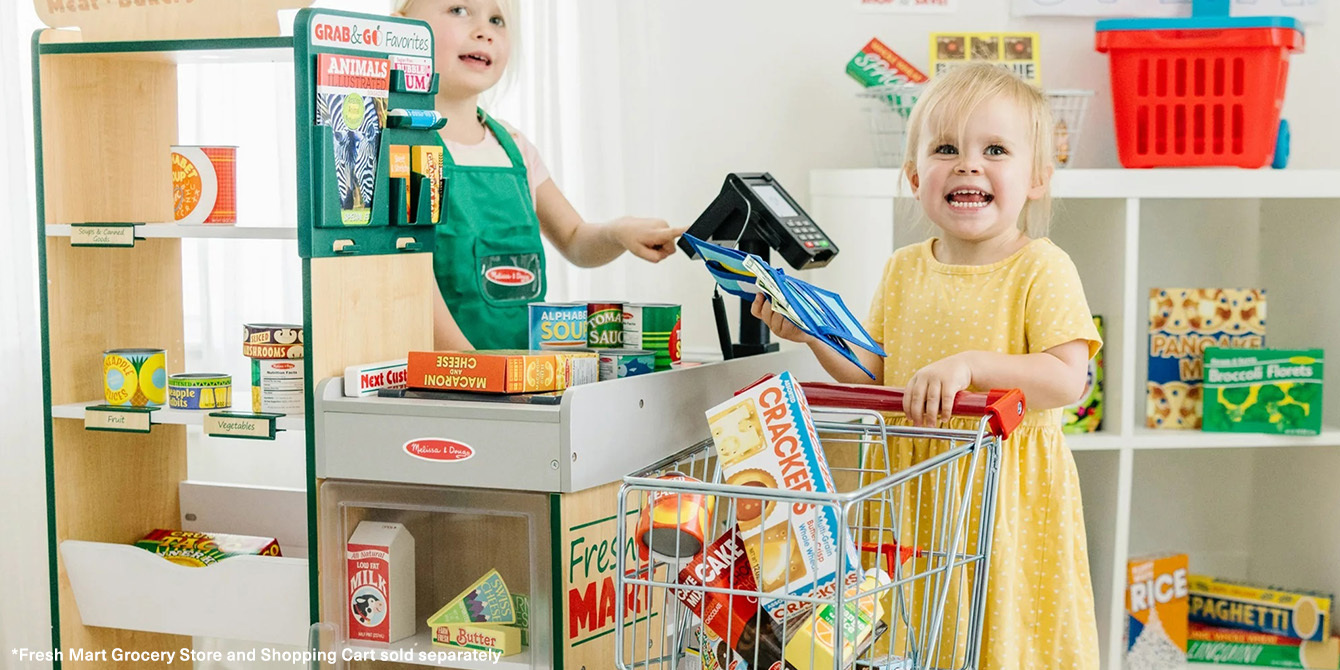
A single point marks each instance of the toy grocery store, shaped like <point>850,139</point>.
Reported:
<point>669,334</point>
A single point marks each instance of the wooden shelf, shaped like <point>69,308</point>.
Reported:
<point>204,231</point>
<point>230,50</point>
<point>422,642</point>
<point>1178,184</point>
<point>168,415</point>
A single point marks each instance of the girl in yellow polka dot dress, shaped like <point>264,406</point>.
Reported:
<point>991,303</point>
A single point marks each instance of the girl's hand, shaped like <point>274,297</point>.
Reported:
<point>929,397</point>
<point>649,239</point>
<point>778,324</point>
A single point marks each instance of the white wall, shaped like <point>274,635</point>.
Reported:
<point>760,85</point>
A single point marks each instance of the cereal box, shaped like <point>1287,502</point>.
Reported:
<point>1086,415</point>
<point>878,65</point>
<point>1263,391</point>
<point>1017,52</point>
<point>197,550</point>
<point>1183,323</point>
<point>501,371</point>
<point>380,570</point>
<point>1209,644</point>
<point>765,437</point>
<point>1156,612</point>
<point>1305,615</point>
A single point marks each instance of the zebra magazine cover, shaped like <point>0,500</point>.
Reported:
<point>351,94</point>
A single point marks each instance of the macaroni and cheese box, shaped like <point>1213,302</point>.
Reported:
<point>1305,615</point>
<point>1263,391</point>
<point>1086,414</point>
<point>1182,324</point>
<point>1229,646</point>
<point>764,437</point>
<point>501,371</point>
<point>1156,611</point>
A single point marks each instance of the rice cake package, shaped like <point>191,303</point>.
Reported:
<point>1263,391</point>
<point>765,437</point>
<point>1182,324</point>
<point>197,550</point>
<point>1156,612</point>
<point>1086,414</point>
<point>1305,615</point>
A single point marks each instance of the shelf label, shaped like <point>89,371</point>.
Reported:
<point>118,419</point>
<point>102,235</point>
<point>242,425</point>
<point>378,35</point>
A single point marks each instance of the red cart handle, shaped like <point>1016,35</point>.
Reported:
<point>894,554</point>
<point>1004,409</point>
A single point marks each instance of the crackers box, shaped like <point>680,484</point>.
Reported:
<point>1263,391</point>
<point>765,437</point>
<point>380,570</point>
<point>1086,414</point>
<point>1017,52</point>
<point>501,371</point>
<point>1156,611</point>
<point>1305,615</point>
<point>1182,324</point>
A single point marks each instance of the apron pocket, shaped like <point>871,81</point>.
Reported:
<point>510,272</point>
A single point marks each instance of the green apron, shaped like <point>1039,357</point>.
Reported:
<point>488,259</point>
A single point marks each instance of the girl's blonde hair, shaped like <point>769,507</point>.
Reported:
<point>943,110</point>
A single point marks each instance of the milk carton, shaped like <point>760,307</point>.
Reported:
<point>1156,612</point>
<point>381,582</point>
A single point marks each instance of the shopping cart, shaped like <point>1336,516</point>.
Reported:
<point>927,527</point>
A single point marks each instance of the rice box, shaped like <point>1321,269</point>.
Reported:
<point>1183,323</point>
<point>380,571</point>
<point>1156,612</point>
<point>765,437</point>
<point>1263,391</point>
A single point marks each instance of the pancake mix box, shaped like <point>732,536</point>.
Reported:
<point>1183,323</point>
<point>1263,391</point>
<point>1156,612</point>
<point>764,437</point>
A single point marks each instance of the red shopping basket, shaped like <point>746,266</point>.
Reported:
<point>1201,91</point>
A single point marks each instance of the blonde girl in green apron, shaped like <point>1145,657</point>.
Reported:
<point>489,260</point>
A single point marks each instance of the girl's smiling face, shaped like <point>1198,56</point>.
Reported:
<point>974,181</point>
<point>473,44</point>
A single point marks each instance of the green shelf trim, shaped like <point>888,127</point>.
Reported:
<point>280,45</point>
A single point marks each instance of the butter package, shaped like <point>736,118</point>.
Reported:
<point>878,65</point>
<point>1182,324</point>
<point>501,371</point>
<point>1156,612</point>
<point>1086,414</point>
<point>380,573</point>
<point>503,640</point>
<point>765,437</point>
<point>197,550</point>
<point>1263,391</point>
<point>426,165</point>
<point>1228,646</point>
<point>1305,615</point>
<point>1016,52</point>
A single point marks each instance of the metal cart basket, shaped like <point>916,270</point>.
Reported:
<point>920,534</point>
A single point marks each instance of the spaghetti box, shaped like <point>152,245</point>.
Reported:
<point>1156,611</point>
<point>764,436</point>
<point>367,379</point>
<point>1183,323</point>
<point>1263,391</point>
<point>878,65</point>
<point>1230,646</point>
<point>501,371</point>
<point>381,582</point>
<point>1305,615</point>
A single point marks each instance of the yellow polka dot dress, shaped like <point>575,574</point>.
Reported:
<point>1039,605</point>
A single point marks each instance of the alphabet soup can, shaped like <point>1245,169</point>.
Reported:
<point>134,377</point>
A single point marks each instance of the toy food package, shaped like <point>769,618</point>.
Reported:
<point>1156,612</point>
<point>1305,615</point>
<point>380,570</point>
<point>1228,646</point>
<point>503,640</point>
<point>1017,52</point>
<point>878,65</point>
<point>765,437</point>
<point>1263,391</point>
<point>1086,414</point>
<point>1183,323</point>
<point>399,169</point>
<point>197,550</point>
<point>484,616</point>
<point>502,371</point>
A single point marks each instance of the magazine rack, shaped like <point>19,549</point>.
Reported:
<point>105,115</point>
